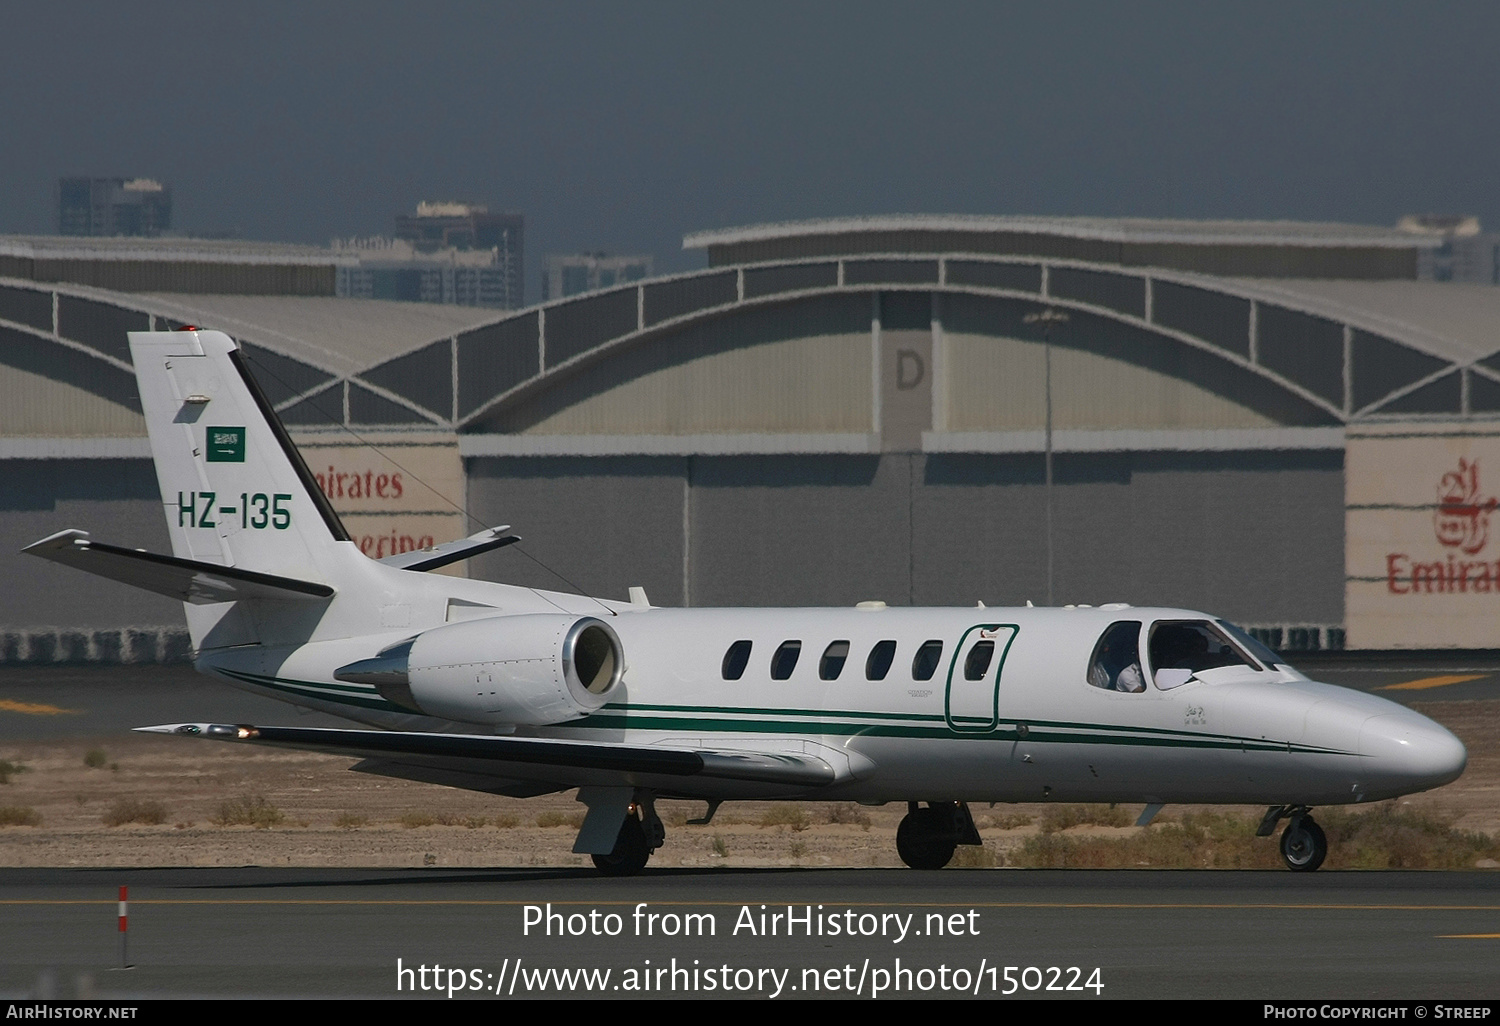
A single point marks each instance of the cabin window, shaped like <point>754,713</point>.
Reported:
<point>832,663</point>
<point>879,663</point>
<point>1191,646</point>
<point>736,659</point>
<point>926,662</point>
<point>785,660</point>
<point>1116,665</point>
<point>978,661</point>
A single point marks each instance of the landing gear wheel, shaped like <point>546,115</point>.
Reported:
<point>1303,845</point>
<point>924,840</point>
<point>630,853</point>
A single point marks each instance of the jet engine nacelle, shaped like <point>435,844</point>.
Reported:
<point>533,668</point>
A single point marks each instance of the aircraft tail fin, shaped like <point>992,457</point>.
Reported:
<point>234,487</point>
<point>235,491</point>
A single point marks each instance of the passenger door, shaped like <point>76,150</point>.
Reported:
<point>973,692</point>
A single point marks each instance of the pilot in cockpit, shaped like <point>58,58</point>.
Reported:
<point>1116,664</point>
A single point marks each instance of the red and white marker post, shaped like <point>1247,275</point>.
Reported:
<point>123,924</point>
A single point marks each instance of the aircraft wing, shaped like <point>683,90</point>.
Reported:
<point>187,580</point>
<point>483,762</point>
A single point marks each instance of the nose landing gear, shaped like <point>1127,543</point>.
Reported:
<point>1304,846</point>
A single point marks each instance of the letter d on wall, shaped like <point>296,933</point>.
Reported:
<point>910,369</point>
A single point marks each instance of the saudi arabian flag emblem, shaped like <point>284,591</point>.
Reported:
<point>225,444</point>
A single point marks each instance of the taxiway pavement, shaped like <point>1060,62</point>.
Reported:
<point>329,933</point>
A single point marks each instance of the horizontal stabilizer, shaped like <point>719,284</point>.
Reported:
<point>563,759</point>
<point>451,552</point>
<point>187,580</point>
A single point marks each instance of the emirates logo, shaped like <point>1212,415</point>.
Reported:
<point>1462,523</point>
<point>1462,519</point>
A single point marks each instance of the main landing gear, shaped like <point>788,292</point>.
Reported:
<point>640,835</point>
<point>631,851</point>
<point>927,838</point>
<point>1304,846</point>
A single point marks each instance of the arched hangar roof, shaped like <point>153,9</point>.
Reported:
<point>1108,229</point>
<point>1274,249</point>
<point>300,347</point>
<point>1337,352</point>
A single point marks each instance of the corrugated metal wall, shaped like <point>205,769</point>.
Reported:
<point>605,524</point>
<point>1254,536</point>
<point>117,501</point>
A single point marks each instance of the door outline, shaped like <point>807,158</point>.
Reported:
<point>972,724</point>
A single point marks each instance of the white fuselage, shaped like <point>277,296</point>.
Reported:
<point>1031,729</point>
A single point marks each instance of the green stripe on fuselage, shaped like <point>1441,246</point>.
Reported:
<point>1076,735</point>
<point>699,716</point>
<point>836,722</point>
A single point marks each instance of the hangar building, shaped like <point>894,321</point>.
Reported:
<point>1276,422</point>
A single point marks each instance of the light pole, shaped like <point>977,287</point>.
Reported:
<point>1047,318</point>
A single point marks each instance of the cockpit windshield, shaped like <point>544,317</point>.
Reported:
<point>1255,648</point>
<point>1181,649</point>
<point>1179,652</point>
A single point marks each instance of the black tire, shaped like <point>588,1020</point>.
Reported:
<point>924,841</point>
<point>630,853</point>
<point>1304,846</point>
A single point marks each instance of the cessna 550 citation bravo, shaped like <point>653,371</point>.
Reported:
<point>519,692</point>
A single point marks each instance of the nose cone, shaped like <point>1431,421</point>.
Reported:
<point>1409,752</point>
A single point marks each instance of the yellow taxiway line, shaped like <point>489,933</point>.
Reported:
<point>1432,682</point>
<point>34,708</point>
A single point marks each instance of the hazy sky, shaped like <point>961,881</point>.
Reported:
<point>619,127</point>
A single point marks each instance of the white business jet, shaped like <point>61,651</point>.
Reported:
<point>519,692</point>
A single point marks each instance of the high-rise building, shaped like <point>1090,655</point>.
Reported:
<point>394,269</point>
<point>568,274</point>
<point>464,227</point>
<point>113,206</point>
<point>1466,252</point>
